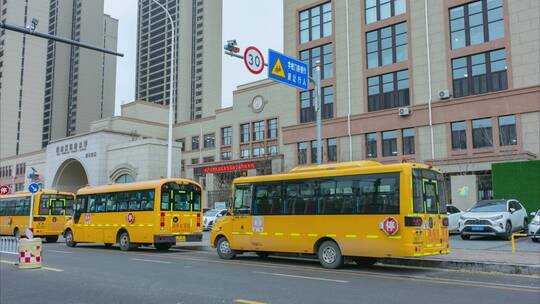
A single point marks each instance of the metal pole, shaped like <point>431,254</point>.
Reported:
<point>171,93</point>
<point>318,109</point>
<point>31,218</point>
<point>27,31</point>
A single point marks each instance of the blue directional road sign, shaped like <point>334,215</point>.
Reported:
<point>33,188</point>
<point>288,70</point>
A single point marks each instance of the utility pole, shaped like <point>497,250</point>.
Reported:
<point>318,109</point>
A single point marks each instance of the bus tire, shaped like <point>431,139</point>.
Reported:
<point>51,239</point>
<point>163,246</point>
<point>70,240</point>
<point>365,261</point>
<point>17,233</point>
<point>330,255</point>
<point>124,242</point>
<point>224,249</point>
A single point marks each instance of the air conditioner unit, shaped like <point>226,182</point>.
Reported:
<point>444,94</point>
<point>405,111</point>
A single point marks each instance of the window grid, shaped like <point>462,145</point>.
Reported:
<point>315,22</point>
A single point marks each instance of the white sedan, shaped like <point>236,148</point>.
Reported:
<point>211,216</point>
<point>453,218</point>
<point>498,217</point>
<point>534,226</point>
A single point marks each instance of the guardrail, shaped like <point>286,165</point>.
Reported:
<point>9,245</point>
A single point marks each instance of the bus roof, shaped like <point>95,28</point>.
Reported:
<point>327,170</point>
<point>42,191</point>
<point>134,186</point>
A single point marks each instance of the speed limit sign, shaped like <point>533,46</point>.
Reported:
<point>254,60</point>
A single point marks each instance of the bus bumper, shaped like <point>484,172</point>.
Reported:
<point>165,238</point>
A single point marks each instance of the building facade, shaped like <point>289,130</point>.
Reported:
<point>50,90</point>
<point>470,99</point>
<point>197,60</point>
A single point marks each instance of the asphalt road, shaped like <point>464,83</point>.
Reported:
<point>194,274</point>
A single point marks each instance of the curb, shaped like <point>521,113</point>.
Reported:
<point>533,270</point>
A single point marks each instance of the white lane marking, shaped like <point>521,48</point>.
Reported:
<point>151,261</point>
<point>300,277</point>
<point>58,251</point>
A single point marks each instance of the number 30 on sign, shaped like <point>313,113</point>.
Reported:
<point>254,60</point>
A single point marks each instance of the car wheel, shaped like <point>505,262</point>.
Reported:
<point>465,237</point>
<point>224,249</point>
<point>508,231</point>
<point>330,255</point>
<point>125,244</point>
<point>70,240</point>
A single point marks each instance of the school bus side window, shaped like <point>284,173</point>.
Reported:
<point>44,205</point>
<point>242,200</point>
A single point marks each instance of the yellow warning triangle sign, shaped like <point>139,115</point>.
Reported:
<point>278,69</point>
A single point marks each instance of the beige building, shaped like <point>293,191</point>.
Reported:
<point>197,61</point>
<point>377,78</point>
<point>50,90</point>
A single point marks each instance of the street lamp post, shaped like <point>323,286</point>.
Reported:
<point>318,109</point>
<point>171,93</point>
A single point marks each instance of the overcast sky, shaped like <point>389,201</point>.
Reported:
<point>250,22</point>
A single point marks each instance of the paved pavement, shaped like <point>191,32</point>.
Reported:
<point>194,274</point>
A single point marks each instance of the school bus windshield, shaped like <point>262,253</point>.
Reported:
<point>175,197</point>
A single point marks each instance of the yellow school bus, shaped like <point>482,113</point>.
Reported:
<point>51,211</point>
<point>158,212</point>
<point>356,211</point>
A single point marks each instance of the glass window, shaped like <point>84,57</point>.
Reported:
<point>315,22</point>
<point>244,133</point>
<point>389,141</point>
<point>268,199</point>
<point>44,204</point>
<point>323,53</point>
<point>273,128</point>
<point>480,73</point>
<point>123,201</point>
<point>307,104</point>
<point>332,149</point>
<point>244,153</point>
<point>387,45</point>
<point>507,130</point>
<point>124,178</point>
<point>314,151</point>
<point>226,136</point>
<point>459,135</point>
<point>195,143</point>
<point>302,197</point>
<point>476,22</point>
<point>408,141</point>
<point>208,159</point>
<point>258,130</point>
<point>209,141</point>
<point>376,10</point>
<point>378,193</point>
<point>226,155</point>
<point>371,145</point>
<point>134,201</point>
<point>302,153</point>
<point>111,205</point>
<point>388,91</point>
<point>242,199</point>
<point>258,152</point>
<point>273,150</point>
<point>482,133</point>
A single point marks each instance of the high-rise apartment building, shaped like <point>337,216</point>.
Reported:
<point>197,59</point>
<point>50,90</point>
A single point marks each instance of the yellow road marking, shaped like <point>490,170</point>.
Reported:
<point>247,301</point>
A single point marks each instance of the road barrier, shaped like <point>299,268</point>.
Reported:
<point>30,253</point>
<point>514,240</point>
<point>9,244</point>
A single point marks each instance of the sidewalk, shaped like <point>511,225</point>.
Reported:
<point>485,260</point>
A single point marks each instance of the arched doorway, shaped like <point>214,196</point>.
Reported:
<point>70,176</point>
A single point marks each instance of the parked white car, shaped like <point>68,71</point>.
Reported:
<point>499,217</point>
<point>534,227</point>
<point>453,218</point>
<point>211,216</point>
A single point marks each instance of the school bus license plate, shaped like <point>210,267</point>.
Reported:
<point>180,238</point>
